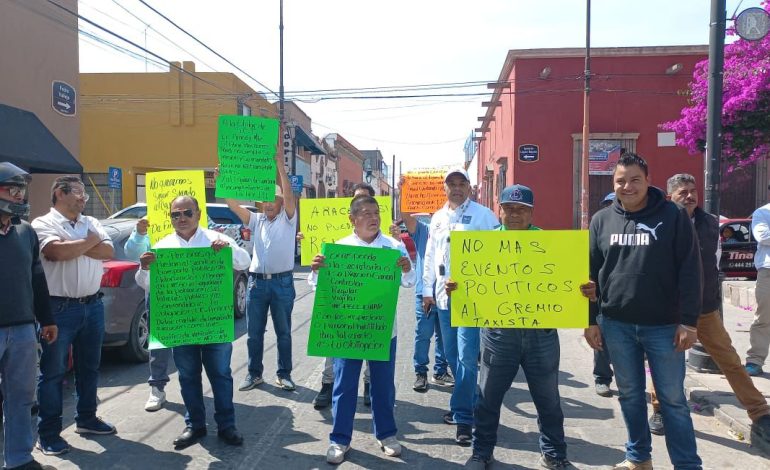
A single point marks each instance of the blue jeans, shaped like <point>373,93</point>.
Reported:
<point>18,370</point>
<point>82,326</point>
<point>425,328</point>
<point>461,347</point>
<point>216,359</point>
<point>537,352</point>
<point>277,295</point>
<point>159,359</point>
<point>602,369</point>
<point>628,344</point>
<point>345,394</point>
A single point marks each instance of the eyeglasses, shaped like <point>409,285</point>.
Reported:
<point>17,191</point>
<point>177,214</point>
<point>80,193</point>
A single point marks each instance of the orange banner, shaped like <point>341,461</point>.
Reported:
<point>422,191</point>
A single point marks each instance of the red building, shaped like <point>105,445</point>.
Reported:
<point>531,133</point>
<point>350,164</point>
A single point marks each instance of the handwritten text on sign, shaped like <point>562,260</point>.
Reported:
<point>191,297</point>
<point>326,221</point>
<point>520,278</point>
<point>246,146</point>
<point>162,188</point>
<point>355,303</point>
<point>423,191</point>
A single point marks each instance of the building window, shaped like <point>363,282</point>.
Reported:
<point>502,176</point>
<point>244,109</point>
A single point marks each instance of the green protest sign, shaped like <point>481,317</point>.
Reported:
<point>191,297</point>
<point>355,303</point>
<point>246,146</point>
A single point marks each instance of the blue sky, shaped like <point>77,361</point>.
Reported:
<point>331,44</point>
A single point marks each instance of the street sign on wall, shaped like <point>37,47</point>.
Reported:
<point>529,153</point>
<point>63,98</point>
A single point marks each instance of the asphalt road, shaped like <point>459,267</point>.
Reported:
<point>282,430</point>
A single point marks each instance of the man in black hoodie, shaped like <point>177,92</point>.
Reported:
<point>644,259</point>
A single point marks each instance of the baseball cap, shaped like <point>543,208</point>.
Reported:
<point>458,170</point>
<point>518,194</point>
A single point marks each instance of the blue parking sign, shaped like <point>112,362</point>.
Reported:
<point>115,178</point>
<point>296,183</point>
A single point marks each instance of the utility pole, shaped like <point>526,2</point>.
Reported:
<point>281,115</point>
<point>586,148</point>
<point>713,156</point>
<point>698,359</point>
<point>393,186</point>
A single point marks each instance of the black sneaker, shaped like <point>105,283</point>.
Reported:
<point>761,428</point>
<point>449,418</point>
<point>324,397</point>
<point>444,379</point>
<point>477,462</point>
<point>421,383</point>
<point>464,435</point>
<point>656,423</point>
<point>553,463</point>
<point>367,395</point>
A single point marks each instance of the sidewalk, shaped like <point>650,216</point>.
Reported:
<point>712,390</point>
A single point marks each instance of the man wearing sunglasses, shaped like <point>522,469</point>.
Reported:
<point>271,278</point>
<point>191,359</point>
<point>23,301</point>
<point>73,247</point>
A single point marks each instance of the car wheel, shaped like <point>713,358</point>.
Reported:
<point>240,291</point>
<point>136,349</point>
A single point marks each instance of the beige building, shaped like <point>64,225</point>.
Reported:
<point>143,122</point>
<point>39,64</point>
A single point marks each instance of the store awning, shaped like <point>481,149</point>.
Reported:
<point>305,139</point>
<point>27,143</point>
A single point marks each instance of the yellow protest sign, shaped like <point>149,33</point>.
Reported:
<point>161,188</point>
<point>422,191</point>
<point>519,278</point>
<point>326,221</point>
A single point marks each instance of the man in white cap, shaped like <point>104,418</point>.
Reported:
<point>271,279</point>
<point>461,345</point>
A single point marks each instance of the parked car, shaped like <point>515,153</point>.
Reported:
<point>738,248</point>
<point>126,325</point>
<point>221,219</point>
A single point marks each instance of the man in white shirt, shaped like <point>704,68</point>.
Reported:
<point>73,247</point>
<point>759,334</point>
<point>461,345</point>
<point>271,279</point>
<point>324,396</point>
<point>190,359</point>
<point>365,218</point>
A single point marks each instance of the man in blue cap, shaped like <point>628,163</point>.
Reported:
<point>504,350</point>
<point>602,369</point>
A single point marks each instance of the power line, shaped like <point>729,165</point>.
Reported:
<point>112,33</point>
<point>207,47</point>
<point>169,40</point>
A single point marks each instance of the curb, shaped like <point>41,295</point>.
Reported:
<point>740,429</point>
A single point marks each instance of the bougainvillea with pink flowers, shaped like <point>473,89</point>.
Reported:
<point>746,98</point>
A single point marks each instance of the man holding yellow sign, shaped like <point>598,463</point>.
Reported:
<point>506,347</point>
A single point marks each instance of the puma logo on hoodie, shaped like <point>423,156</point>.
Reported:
<point>635,239</point>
